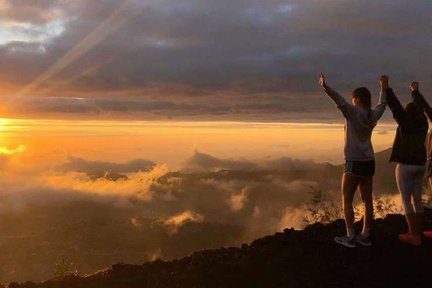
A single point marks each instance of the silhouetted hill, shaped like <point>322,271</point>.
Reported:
<point>307,258</point>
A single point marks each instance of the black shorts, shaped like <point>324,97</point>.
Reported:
<point>360,168</point>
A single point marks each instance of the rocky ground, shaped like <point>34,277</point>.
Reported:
<point>307,258</point>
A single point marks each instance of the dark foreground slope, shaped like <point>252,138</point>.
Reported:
<point>306,258</point>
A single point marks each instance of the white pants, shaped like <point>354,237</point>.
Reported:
<point>409,179</point>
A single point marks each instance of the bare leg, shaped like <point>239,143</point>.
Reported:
<point>365,188</point>
<point>349,186</point>
<point>418,191</point>
<point>406,181</point>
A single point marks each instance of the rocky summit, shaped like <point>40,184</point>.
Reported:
<point>307,258</point>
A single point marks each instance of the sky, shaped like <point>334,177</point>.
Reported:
<point>196,110</point>
<point>236,60</point>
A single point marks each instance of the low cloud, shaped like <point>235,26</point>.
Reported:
<point>52,186</point>
<point>136,185</point>
<point>173,223</point>
<point>253,194</point>
<point>6,153</point>
<point>236,202</point>
<point>292,218</point>
<point>10,151</point>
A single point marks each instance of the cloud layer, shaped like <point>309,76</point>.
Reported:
<point>206,59</point>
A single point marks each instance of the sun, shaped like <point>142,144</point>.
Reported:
<point>3,123</point>
<point>10,125</point>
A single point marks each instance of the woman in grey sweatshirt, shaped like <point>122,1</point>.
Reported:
<point>360,120</point>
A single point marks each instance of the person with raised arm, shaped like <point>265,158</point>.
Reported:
<point>418,98</point>
<point>360,120</point>
<point>409,154</point>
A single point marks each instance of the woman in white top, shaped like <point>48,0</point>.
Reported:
<point>360,120</point>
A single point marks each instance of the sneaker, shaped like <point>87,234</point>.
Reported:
<point>410,239</point>
<point>366,242</point>
<point>345,241</point>
<point>427,234</point>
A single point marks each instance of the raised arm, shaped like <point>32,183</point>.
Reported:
<point>379,109</point>
<point>345,107</point>
<point>396,107</point>
<point>419,99</point>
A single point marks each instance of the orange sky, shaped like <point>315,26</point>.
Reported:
<point>172,143</point>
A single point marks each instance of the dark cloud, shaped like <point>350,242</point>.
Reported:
<point>28,11</point>
<point>255,108</point>
<point>77,164</point>
<point>217,53</point>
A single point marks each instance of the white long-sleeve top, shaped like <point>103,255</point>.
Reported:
<point>358,125</point>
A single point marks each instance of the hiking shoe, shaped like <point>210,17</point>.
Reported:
<point>410,239</point>
<point>427,234</point>
<point>345,241</point>
<point>366,242</point>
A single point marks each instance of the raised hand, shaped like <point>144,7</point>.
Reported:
<point>384,81</point>
<point>322,81</point>
<point>414,86</point>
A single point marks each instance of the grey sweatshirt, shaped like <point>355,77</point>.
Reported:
<point>358,126</point>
